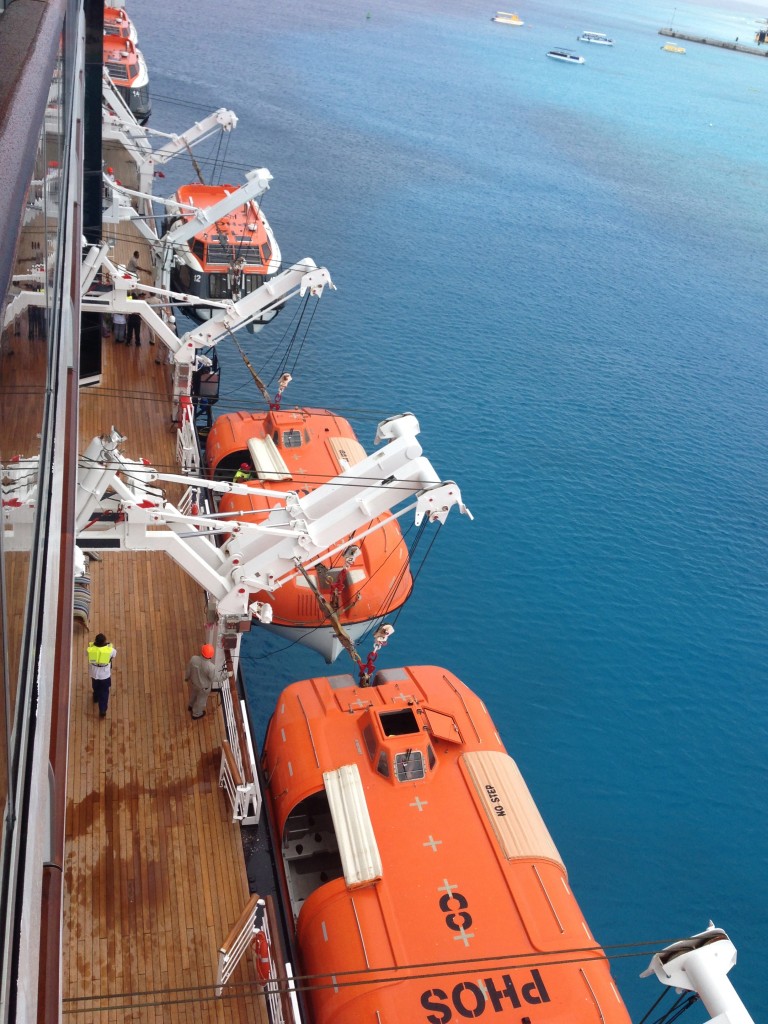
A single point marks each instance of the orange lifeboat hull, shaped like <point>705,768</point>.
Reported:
<point>423,883</point>
<point>309,447</point>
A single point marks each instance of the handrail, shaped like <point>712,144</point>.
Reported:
<point>187,448</point>
<point>238,941</point>
<point>245,796</point>
<point>280,989</point>
<point>226,749</point>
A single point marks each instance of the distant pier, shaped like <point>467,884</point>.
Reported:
<point>740,47</point>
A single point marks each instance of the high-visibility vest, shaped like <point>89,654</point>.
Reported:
<point>99,655</point>
<point>241,474</point>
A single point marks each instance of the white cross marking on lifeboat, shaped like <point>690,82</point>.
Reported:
<point>402,696</point>
<point>434,843</point>
<point>418,804</point>
<point>447,887</point>
<point>360,703</point>
<point>463,936</point>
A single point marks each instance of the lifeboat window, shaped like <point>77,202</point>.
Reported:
<point>431,757</point>
<point>199,250</point>
<point>217,286</point>
<point>251,282</point>
<point>399,723</point>
<point>267,251</point>
<point>184,277</point>
<point>409,765</point>
<point>383,766</point>
<point>291,439</point>
<point>370,740</point>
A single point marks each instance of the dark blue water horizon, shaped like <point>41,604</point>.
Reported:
<point>560,270</point>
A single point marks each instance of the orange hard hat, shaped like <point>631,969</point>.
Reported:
<point>207,650</point>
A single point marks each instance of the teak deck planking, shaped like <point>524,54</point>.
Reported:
<point>154,872</point>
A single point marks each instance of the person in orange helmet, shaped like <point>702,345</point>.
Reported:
<point>200,674</point>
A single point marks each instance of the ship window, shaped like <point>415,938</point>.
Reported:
<point>291,439</point>
<point>431,757</point>
<point>383,766</point>
<point>370,740</point>
<point>399,723</point>
<point>409,765</point>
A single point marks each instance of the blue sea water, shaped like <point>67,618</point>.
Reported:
<point>561,270</point>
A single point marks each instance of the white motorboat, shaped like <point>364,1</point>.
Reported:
<point>566,55</point>
<point>600,38</point>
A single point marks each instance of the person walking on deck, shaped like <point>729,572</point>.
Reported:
<point>134,328</point>
<point>118,327</point>
<point>100,655</point>
<point>200,674</point>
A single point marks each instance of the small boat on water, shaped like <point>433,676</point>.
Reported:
<point>598,38</point>
<point>224,259</point>
<point>422,882</point>
<point>673,48</point>
<point>507,18</point>
<point>297,450</point>
<point>565,55</point>
<point>127,70</point>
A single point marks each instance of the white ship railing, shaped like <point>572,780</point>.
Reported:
<point>237,772</point>
<point>257,931</point>
<point>239,941</point>
<point>187,448</point>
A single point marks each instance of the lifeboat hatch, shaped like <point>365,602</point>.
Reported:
<point>399,723</point>
<point>310,849</point>
<point>442,726</point>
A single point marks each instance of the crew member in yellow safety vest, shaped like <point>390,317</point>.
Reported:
<point>243,474</point>
<point>100,655</point>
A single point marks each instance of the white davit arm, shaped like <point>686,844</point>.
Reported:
<point>701,964</point>
<point>220,120</point>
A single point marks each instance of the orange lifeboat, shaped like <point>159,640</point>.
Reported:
<point>297,450</point>
<point>117,23</point>
<point>228,259</point>
<point>423,883</point>
<point>127,70</point>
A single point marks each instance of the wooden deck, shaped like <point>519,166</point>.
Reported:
<point>154,872</point>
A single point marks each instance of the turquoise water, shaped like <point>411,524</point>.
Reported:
<point>561,271</point>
